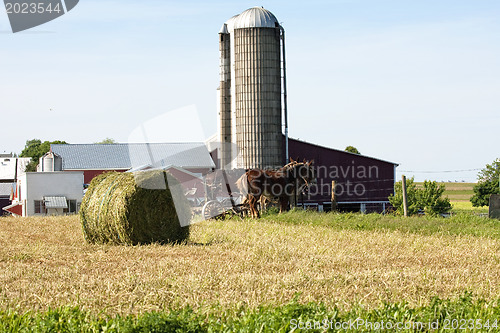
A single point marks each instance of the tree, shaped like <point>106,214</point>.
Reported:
<point>106,141</point>
<point>352,149</point>
<point>31,148</point>
<point>430,198</point>
<point>487,185</point>
<point>426,199</point>
<point>35,149</point>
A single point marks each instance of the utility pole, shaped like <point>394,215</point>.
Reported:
<point>405,199</point>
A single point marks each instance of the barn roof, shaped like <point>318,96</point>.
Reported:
<point>131,155</point>
<point>342,151</point>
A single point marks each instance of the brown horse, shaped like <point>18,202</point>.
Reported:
<point>279,184</point>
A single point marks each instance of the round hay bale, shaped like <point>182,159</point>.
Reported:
<point>133,208</point>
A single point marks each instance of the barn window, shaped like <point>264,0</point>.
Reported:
<point>72,208</point>
<point>40,207</point>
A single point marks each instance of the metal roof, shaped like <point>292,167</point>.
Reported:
<point>223,29</point>
<point>55,202</point>
<point>6,188</point>
<point>229,25</point>
<point>256,17</point>
<point>130,155</point>
<point>343,151</point>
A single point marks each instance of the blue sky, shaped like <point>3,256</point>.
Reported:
<point>414,82</point>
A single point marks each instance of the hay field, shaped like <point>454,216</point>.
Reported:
<point>457,192</point>
<point>45,262</point>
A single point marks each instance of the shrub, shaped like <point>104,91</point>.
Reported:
<point>427,199</point>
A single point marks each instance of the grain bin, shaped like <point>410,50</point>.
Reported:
<point>255,93</point>
<point>50,162</point>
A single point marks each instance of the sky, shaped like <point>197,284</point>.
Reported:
<point>412,82</point>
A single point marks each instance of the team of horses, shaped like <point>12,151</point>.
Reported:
<point>276,184</point>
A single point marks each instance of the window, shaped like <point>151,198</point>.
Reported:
<point>40,207</point>
<point>72,207</point>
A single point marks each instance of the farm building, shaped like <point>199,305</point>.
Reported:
<point>57,187</point>
<point>252,108</point>
<point>362,183</point>
<point>10,169</point>
<point>94,159</point>
<point>251,48</point>
<point>47,193</point>
<point>6,190</point>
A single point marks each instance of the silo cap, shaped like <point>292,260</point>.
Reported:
<point>223,29</point>
<point>256,17</point>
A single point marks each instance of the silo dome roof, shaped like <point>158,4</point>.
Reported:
<point>229,25</point>
<point>256,17</point>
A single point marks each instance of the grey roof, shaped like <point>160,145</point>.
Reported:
<point>55,202</point>
<point>129,155</point>
<point>6,188</point>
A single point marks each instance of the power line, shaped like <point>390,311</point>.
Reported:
<point>444,171</point>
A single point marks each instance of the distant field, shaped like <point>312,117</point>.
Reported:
<point>457,192</point>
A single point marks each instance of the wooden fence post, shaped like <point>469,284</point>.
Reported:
<point>405,199</point>
<point>334,199</point>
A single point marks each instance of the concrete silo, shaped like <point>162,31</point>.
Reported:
<point>250,109</point>
<point>225,96</point>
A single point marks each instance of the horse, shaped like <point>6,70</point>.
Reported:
<point>280,184</point>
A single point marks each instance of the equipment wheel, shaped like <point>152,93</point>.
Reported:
<point>212,209</point>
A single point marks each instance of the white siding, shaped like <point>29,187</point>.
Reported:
<point>37,185</point>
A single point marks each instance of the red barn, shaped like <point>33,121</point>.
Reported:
<point>362,183</point>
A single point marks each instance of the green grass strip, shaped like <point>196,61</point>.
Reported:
<point>464,314</point>
<point>464,223</point>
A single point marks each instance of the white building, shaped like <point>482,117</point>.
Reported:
<point>48,193</point>
<point>10,169</point>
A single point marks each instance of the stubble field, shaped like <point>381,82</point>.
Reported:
<point>332,259</point>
